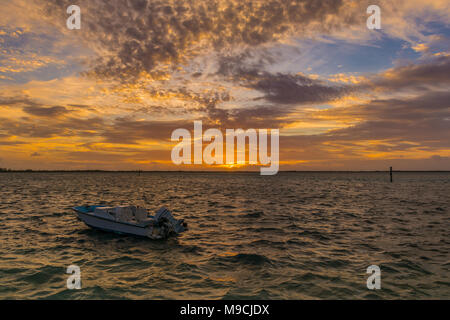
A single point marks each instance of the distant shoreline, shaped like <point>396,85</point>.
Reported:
<point>206,171</point>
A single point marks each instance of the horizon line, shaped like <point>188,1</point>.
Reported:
<point>203,171</point>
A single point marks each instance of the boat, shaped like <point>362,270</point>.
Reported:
<point>131,220</point>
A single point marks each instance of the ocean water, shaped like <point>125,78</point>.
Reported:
<point>289,236</point>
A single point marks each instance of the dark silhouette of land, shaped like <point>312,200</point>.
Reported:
<point>206,171</point>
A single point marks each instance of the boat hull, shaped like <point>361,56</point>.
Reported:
<point>114,226</point>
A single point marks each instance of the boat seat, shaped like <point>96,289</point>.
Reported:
<point>124,213</point>
<point>141,214</point>
<point>105,212</point>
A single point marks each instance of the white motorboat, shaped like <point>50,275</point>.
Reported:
<point>132,220</point>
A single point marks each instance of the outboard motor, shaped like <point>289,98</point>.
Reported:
<point>164,215</point>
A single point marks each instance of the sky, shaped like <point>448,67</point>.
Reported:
<point>109,96</point>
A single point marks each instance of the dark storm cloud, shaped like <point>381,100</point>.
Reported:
<point>137,36</point>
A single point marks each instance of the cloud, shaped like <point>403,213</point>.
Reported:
<point>228,63</point>
<point>393,128</point>
<point>18,100</point>
<point>47,127</point>
<point>55,111</point>
<point>432,73</point>
<point>129,131</point>
<point>132,37</point>
<point>11,143</point>
<point>420,47</point>
<point>109,156</point>
<point>152,37</point>
<point>295,89</point>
